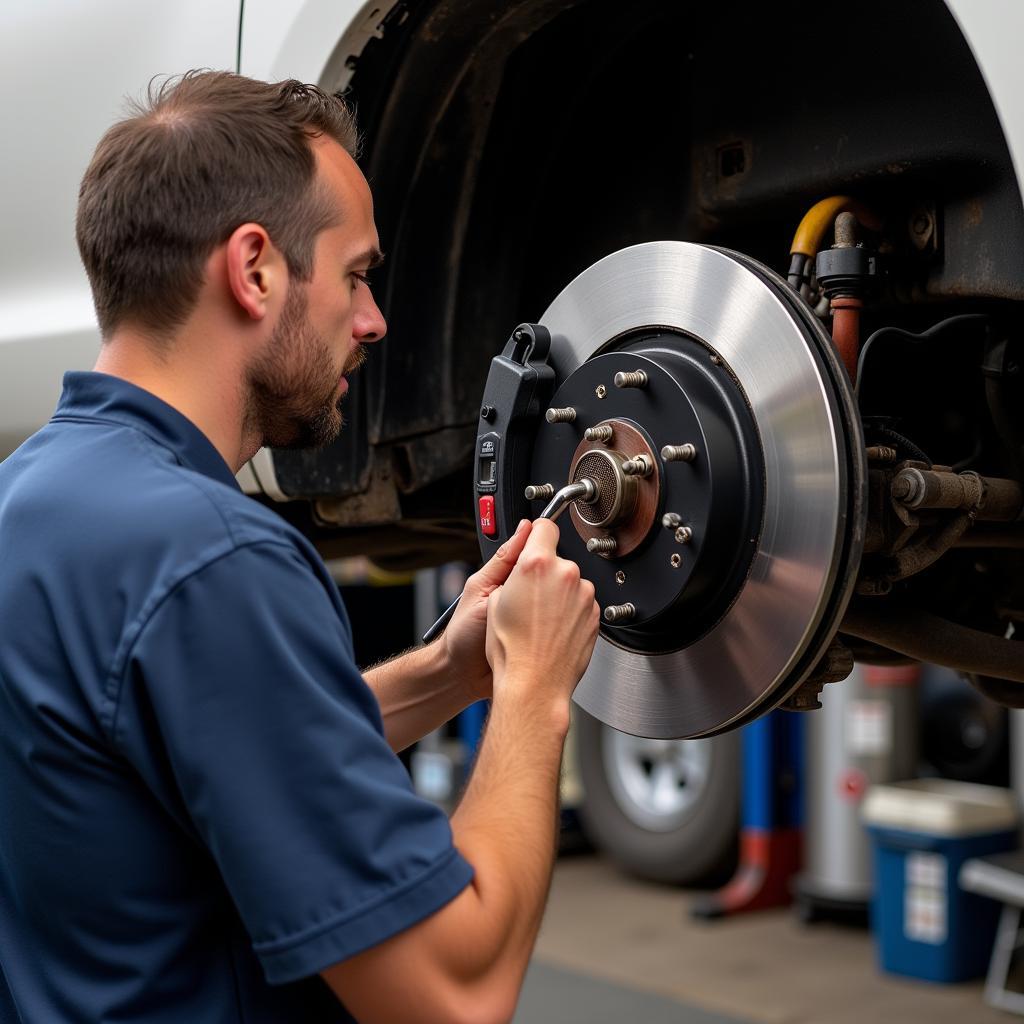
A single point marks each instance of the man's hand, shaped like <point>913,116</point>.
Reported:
<point>543,622</point>
<point>465,636</point>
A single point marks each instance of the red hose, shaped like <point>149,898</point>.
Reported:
<point>846,331</point>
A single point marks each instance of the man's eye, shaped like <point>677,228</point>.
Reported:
<point>361,277</point>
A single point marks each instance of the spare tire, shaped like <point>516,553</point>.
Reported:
<point>663,810</point>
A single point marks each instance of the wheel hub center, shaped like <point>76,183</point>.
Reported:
<point>626,504</point>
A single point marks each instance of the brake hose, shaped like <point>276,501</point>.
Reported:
<point>812,229</point>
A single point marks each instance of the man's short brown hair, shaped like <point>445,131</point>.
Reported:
<point>201,155</point>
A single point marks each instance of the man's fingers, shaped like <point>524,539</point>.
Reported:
<point>543,537</point>
<point>497,568</point>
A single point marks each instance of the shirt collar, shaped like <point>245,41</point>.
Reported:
<point>101,397</point>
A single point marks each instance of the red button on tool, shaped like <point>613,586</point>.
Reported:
<point>488,526</point>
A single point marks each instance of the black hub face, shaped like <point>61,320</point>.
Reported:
<point>680,582</point>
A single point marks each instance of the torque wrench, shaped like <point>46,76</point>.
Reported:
<point>585,489</point>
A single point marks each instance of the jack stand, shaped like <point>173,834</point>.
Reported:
<point>771,834</point>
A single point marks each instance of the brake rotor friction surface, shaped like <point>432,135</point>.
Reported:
<point>787,604</point>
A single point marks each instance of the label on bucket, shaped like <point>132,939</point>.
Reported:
<point>924,898</point>
<point>869,727</point>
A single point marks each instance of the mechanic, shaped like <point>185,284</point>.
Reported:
<point>204,819</point>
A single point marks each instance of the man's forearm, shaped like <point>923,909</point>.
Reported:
<point>506,826</point>
<point>466,962</point>
<point>418,692</point>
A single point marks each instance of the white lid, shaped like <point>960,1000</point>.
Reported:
<point>940,807</point>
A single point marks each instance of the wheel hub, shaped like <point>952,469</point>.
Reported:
<point>681,576</point>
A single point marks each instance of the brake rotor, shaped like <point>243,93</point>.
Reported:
<point>730,519</point>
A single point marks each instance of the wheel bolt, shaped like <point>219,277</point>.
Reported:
<point>632,379</point>
<point>603,433</point>
<point>567,415</point>
<point>540,492</point>
<point>619,612</point>
<point>641,465</point>
<point>670,520</point>
<point>679,453</point>
<point>683,535</point>
<point>602,545</point>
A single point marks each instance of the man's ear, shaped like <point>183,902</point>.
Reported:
<point>255,268</point>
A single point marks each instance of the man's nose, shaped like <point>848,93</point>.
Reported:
<point>368,325</point>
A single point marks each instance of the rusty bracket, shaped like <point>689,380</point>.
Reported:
<point>835,664</point>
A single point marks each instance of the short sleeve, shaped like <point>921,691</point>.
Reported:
<point>241,705</point>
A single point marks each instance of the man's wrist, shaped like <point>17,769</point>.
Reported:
<point>473,685</point>
<point>518,696</point>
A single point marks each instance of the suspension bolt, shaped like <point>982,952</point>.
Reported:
<point>679,453</point>
<point>683,535</point>
<point>540,492</point>
<point>619,612</point>
<point>603,433</point>
<point>602,545</point>
<point>640,465</point>
<point>632,379</point>
<point>601,391</point>
<point>567,415</point>
<point>880,453</point>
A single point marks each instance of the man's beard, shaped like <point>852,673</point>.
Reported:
<point>291,388</point>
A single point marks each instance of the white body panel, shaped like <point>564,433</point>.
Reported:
<point>65,70</point>
<point>297,38</point>
<point>994,29</point>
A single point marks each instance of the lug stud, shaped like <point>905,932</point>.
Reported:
<point>540,492</point>
<point>632,379</point>
<point>603,433</point>
<point>602,545</point>
<point>679,453</point>
<point>567,415</point>
<point>670,520</point>
<point>683,535</point>
<point>619,612</point>
<point>641,465</point>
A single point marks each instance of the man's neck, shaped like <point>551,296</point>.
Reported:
<point>202,385</point>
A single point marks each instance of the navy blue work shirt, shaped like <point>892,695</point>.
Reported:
<point>198,808</point>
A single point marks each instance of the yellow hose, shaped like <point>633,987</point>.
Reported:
<point>821,216</point>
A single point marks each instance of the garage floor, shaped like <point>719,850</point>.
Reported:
<point>617,951</point>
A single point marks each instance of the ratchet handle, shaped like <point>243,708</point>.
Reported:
<point>438,627</point>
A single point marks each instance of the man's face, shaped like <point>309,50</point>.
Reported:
<point>297,381</point>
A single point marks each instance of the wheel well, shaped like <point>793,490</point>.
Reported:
<point>510,146</point>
